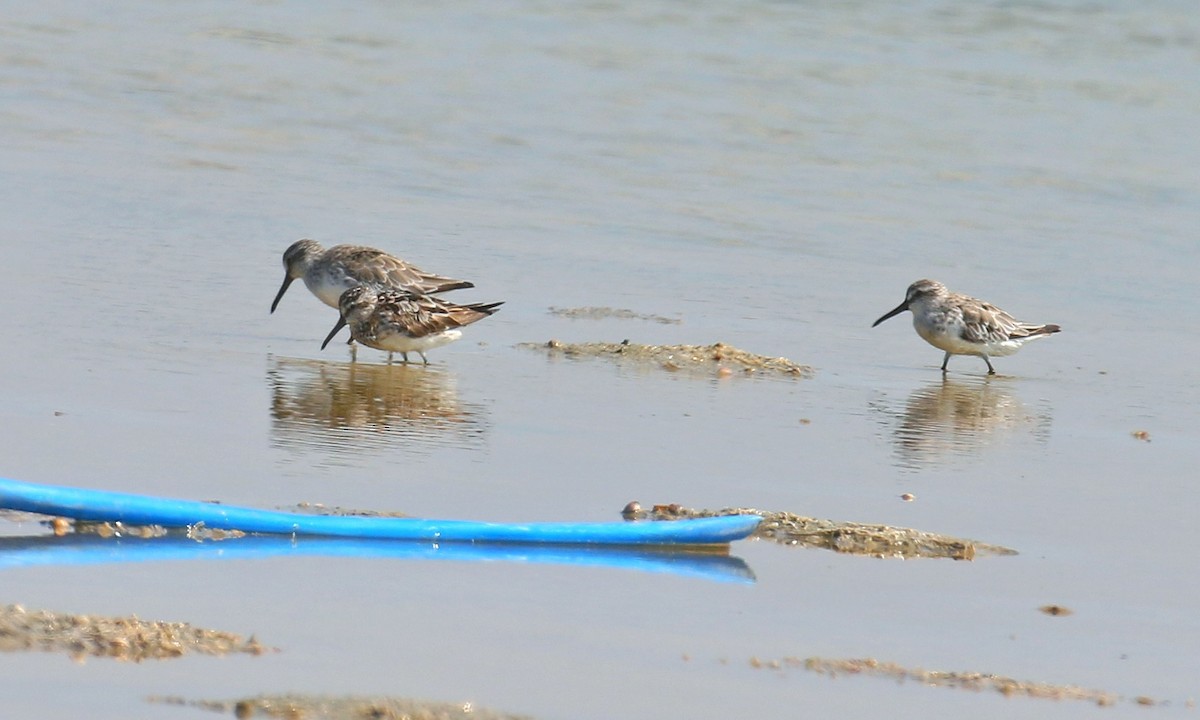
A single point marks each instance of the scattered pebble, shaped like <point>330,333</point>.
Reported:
<point>908,497</point>
<point>1056,610</point>
<point>1141,435</point>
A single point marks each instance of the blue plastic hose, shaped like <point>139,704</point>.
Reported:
<point>103,506</point>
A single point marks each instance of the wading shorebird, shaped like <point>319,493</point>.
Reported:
<point>398,322</point>
<point>962,325</point>
<point>330,272</point>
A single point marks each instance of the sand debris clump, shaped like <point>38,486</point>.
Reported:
<point>122,638</point>
<point>717,359</point>
<point>311,508</point>
<point>883,541</point>
<point>311,707</point>
<point>606,313</point>
<point>974,681</point>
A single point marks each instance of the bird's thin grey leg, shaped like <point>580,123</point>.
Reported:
<point>944,361</point>
<point>424,360</point>
<point>389,358</point>
<point>991,370</point>
<point>405,356</point>
<point>353,352</point>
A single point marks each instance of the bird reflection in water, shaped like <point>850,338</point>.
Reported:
<point>953,417</point>
<point>348,407</point>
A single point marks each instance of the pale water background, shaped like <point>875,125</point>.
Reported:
<point>774,175</point>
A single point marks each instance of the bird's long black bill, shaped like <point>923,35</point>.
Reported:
<point>287,280</point>
<point>899,309</point>
<point>341,323</point>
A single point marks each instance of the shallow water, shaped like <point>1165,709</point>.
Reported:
<point>774,175</point>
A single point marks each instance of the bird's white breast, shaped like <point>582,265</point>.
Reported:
<point>328,285</point>
<point>399,342</point>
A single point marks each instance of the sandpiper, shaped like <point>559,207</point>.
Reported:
<point>962,325</point>
<point>399,322</point>
<point>330,272</point>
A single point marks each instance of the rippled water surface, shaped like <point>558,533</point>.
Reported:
<point>771,174</point>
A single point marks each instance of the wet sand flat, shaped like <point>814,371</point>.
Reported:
<point>770,176</point>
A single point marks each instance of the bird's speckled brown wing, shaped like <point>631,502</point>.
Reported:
<point>378,268</point>
<point>421,315</point>
<point>983,322</point>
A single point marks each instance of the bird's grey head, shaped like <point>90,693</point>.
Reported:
<point>296,261</point>
<point>299,254</point>
<point>918,291</point>
<point>922,289</point>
